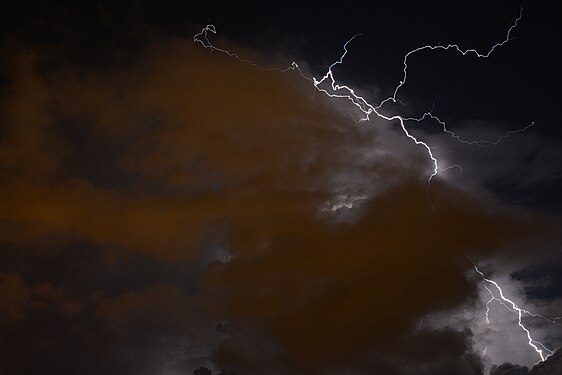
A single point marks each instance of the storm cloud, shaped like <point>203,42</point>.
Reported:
<point>211,214</point>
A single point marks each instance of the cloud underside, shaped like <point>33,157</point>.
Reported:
<point>551,366</point>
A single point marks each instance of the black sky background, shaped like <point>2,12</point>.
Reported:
<point>90,32</point>
<point>518,84</point>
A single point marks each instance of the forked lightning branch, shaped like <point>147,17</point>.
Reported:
<point>329,86</point>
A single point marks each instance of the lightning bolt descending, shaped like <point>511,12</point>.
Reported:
<point>329,86</point>
<point>537,346</point>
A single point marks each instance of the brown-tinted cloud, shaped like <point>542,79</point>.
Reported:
<point>330,293</point>
<point>201,151</point>
<point>15,296</point>
<point>18,299</point>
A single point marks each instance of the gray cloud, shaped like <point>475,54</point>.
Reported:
<point>552,366</point>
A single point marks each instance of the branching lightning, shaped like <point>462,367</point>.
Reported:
<point>480,142</point>
<point>447,47</point>
<point>537,346</point>
<point>328,86</point>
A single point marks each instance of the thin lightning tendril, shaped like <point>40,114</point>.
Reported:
<point>203,39</point>
<point>450,46</point>
<point>345,92</point>
<point>538,346</point>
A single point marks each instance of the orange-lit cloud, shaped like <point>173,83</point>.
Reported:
<point>183,150</point>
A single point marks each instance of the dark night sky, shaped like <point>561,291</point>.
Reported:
<point>166,209</point>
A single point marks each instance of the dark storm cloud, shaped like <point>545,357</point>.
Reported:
<point>15,296</point>
<point>522,169</point>
<point>206,159</point>
<point>39,321</point>
<point>434,352</point>
<point>154,330</point>
<point>191,147</point>
<point>329,296</point>
<point>551,366</point>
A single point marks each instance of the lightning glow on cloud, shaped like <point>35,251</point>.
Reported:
<point>509,304</point>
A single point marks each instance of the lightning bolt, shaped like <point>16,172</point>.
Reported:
<point>538,346</point>
<point>420,326</point>
<point>328,86</point>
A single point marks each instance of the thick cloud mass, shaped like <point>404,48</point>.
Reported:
<point>186,157</point>
<point>552,366</point>
<point>325,290</point>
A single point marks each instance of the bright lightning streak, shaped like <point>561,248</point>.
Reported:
<point>492,299</point>
<point>365,107</point>
<point>328,86</point>
<point>420,326</point>
<point>347,202</point>
<point>345,92</point>
<point>512,306</point>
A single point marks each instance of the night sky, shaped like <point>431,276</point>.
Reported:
<point>171,207</point>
